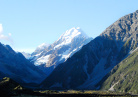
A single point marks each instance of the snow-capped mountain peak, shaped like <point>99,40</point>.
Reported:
<point>72,33</point>
<point>47,58</point>
<point>67,37</point>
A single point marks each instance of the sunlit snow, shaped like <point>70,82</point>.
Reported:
<point>42,60</point>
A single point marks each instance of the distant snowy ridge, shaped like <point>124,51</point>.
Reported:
<point>26,55</point>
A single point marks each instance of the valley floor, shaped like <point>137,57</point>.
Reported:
<point>9,88</point>
<point>70,93</point>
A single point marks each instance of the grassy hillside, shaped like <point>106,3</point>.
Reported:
<point>7,86</point>
<point>124,76</point>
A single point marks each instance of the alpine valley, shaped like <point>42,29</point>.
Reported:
<point>75,61</point>
<point>88,68</point>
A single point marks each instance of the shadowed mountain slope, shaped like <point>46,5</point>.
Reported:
<point>86,68</point>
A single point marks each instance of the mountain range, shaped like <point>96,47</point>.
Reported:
<point>76,61</point>
<point>89,66</point>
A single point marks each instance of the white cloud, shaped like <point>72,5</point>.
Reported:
<point>10,34</point>
<point>4,37</point>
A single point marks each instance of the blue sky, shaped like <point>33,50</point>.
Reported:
<point>25,24</point>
